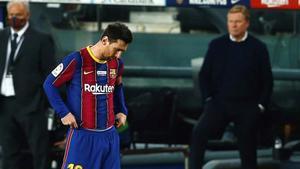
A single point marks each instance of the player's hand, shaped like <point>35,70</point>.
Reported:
<point>69,120</point>
<point>121,119</point>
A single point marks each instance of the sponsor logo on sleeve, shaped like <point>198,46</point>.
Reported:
<point>57,70</point>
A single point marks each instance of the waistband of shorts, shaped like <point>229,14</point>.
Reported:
<point>97,130</point>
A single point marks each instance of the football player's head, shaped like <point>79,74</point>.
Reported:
<point>115,40</point>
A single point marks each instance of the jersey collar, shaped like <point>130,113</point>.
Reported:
<point>93,56</point>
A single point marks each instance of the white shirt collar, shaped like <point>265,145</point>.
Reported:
<point>243,39</point>
<point>21,31</point>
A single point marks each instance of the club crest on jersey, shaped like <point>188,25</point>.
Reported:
<point>113,73</point>
<point>57,70</point>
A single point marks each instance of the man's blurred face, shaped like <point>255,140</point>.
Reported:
<point>114,49</point>
<point>17,16</point>
<point>237,25</point>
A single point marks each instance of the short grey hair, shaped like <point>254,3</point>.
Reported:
<point>24,3</point>
<point>240,9</point>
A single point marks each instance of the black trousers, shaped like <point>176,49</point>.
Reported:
<point>212,123</point>
<point>17,128</point>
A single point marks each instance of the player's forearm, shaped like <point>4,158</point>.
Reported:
<point>119,100</point>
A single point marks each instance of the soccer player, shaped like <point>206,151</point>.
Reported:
<point>93,78</point>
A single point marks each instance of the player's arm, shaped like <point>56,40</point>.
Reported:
<point>59,76</point>
<point>120,108</point>
<point>119,105</point>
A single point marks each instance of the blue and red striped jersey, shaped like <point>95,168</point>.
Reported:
<point>94,91</point>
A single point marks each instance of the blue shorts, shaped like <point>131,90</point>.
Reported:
<point>87,149</point>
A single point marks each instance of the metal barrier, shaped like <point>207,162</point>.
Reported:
<point>184,150</point>
<point>263,163</point>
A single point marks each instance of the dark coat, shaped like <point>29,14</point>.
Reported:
<point>237,71</point>
<point>34,61</point>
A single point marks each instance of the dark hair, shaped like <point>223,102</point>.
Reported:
<point>117,31</point>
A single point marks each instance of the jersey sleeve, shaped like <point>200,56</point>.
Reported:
<point>59,76</point>
<point>119,99</point>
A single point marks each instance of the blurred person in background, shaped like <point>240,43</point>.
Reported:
<point>26,58</point>
<point>236,84</point>
<point>1,18</point>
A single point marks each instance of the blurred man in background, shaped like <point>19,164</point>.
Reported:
<point>26,57</point>
<point>236,84</point>
<point>1,18</point>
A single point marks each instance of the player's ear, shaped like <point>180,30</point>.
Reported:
<point>105,40</point>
